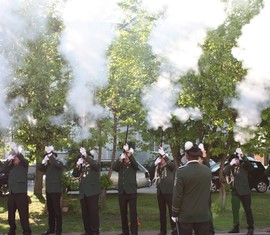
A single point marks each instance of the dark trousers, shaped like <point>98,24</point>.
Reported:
<point>18,201</point>
<point>54,212</point>
<point>164,201</point>
<point>246,203</point>
<point>131,200</point>
<point>199,228</point>
<point>90,214</point>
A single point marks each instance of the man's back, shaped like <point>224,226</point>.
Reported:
<point>192,193</point>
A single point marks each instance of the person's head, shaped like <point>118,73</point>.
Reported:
<point>192,151</point>
<point>16,160</point>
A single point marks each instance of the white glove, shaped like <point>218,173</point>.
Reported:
<point>49,149</point>
<point>20,149</point>
<point>10,157</point>
<point>174,219</point>
<point>233,161</point>
<point>125,147</point>
<point>131,150</point>
<point>239,151</point>
<point>158,160</point>
<point>122,156</point>
<point>83,151</point>
<point>201,147</point>
<point>45,160</point>
<point>92,152</point>
<point>161,151</point>
<point>80,161</point>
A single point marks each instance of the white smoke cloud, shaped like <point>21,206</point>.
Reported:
<point>176,40</point>
<point>89,30</point>
<point>21,22</point>
<point>162,96</point>
<point>254,91</point>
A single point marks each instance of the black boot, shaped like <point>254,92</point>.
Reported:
<point>235,229</point>
<point>250,231</point>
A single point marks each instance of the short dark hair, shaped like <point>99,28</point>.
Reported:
<point>194,153</point>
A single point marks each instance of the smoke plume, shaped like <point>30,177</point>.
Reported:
<point>89,29</point>
<point>254,91</point>
<point>21,22</point>
<point>176,40</point>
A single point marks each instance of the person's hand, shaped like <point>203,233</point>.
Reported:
<point>233,161</point>
<point>80,161</point>
<point>48,149</point>
<point>174,219</point>
<point>92,152</point>
<point>14,147</point>
<point>83,151</point>
<point>125,147</point>
<point>131,151</point>
<point>10,157</point>
<point>45,160</point>
<point>161,151</point>
<point>122,156</point>
<point>158,160</point>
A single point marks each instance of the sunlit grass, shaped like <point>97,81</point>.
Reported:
<point>148,214</point>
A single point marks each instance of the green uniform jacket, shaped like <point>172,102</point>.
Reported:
<point>126,175</point>
<point>53,171</point>
<point>240,184</point>
<point>89,180</point>
<point>267,171</point>
<point>17,179</point>
<point>191,193</point>
<point>165,182</point>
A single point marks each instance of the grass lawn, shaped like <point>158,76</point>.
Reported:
<point>147,214</point>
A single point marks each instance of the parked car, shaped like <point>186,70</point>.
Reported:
<point>142,176</point>
<point>257,179</point>
<point>31,172</point>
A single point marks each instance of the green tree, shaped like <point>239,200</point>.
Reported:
<point>42,92</point>
<point>214,87</point>
<point>131,66</point>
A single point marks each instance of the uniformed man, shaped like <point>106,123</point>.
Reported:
<point>87,169</point>
<point>190,206</point>
<point>163,169</point>
<point>127,166</point>
<point>237,176</point>
<point>17,166</point>
<point>203,159</point>
<point>53,169</point>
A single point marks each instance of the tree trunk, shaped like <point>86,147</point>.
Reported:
<point>222,190</point>
<point>103,199</point>
<point>222,197</point>
<point>176,152</point>
<point>38,183</point>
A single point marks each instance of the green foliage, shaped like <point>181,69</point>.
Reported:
<point>105,181</point>
<point>68,182</point>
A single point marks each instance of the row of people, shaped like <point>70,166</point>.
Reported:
<point>186,192</point>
